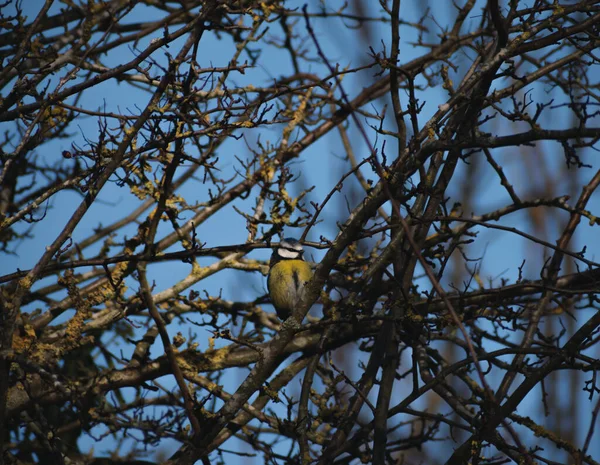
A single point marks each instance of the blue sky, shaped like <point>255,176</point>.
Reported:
<point>320,166</point>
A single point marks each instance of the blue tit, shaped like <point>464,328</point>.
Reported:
<point>288,275</point>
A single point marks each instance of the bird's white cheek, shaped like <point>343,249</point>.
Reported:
<point>284,253</point>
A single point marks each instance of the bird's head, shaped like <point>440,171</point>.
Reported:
<point>289,249</point>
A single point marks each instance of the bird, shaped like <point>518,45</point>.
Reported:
<point>288,276</point>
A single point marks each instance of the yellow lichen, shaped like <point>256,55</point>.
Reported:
<point>24,341</point>
<point>557,8</point>
<point>52,117</point>
<point>431,133</point>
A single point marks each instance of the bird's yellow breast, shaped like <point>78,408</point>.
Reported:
<point>286,282</point>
